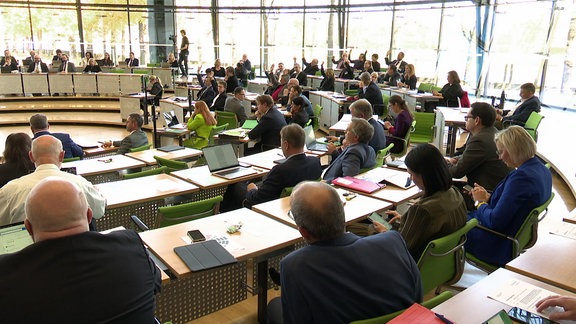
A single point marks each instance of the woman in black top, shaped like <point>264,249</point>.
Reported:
<point>451,91</point>
<point>299,115</point>
<point>328,81</point>
<point>409,78</point>
<point>16,159</point>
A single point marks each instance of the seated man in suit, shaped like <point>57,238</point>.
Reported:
<point>66,66</point>
<point>37,66</point>
<point>220,100</point>
<point>132,61</point>
<point>296,91</point>
<point>356,155</point>
<point>40,126</point>
<point>296,168</point>
<point>520,113</point>
<point>312,67</point>
<point>113,271</point>
<point>370,90</point>
<point>392,77</point>
<point>270,122</point>
<point>8,56</point>
<point>234,104</point>
<point>207,92</point>
<point>297,73</point>
<point>398,62</point>
<point>331,280</point>
<point>47,155</point>
<point>136,138</point>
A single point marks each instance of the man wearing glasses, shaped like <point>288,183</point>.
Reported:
<point>234,104</point>
<point>479,161</point>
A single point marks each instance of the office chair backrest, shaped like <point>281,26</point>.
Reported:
<point>532,124</point>
<point>226,117</point>
<point>214,131</point>
<point>424,132</point>
<point>171,164</point>
<point>170,215</point>
<point>162,169</point>
<point>141,148</point>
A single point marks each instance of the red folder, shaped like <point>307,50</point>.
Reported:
<point>358,184</point>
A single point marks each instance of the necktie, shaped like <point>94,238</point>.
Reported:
<point>130,63</point>
<point>65,66</point>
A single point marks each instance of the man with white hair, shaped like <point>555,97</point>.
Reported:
<point>47,154</point>
<point>71,274</point>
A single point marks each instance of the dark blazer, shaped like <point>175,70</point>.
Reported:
<point>207,92</point>
<point>268,129</point>
<point>294,170</point>
<point>378,140</point>
<point>93,68</point>
<point>71,149</point>
<point>71,67</point>
<point>450,94</point>
<point>327,83</point>
<point>135,62</point>
<point>309,69</point>
<point>157,92</point>
<point>522,190</point>
<point>347,72</point>
<point>219,102</point>
<point>231,84</point>
<point>112,271</point>
<point>219,73</point>
<point>400,67</point>
<point>376,66</point>
<point>302,78</point>
<point>391,80</point>
<point>521,114</point>
<point>136,139</point>
<point>300,118</point>
<point>350,161</point>
<point>372,94</point>
<point>479,162</point>
<point>411,82</point>
<point>43,67</point>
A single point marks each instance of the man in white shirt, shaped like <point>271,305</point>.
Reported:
<point>37,66</point>
<point>47,154</point>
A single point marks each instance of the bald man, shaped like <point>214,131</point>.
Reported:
<point>337,277</point>
<point>47,154</point>
<point>71,275</point>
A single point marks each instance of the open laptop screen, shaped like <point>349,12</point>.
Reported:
<point>13,238</point>
<point>310,137</point>
<point>220,157</point>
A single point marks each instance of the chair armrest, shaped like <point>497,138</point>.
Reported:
<point>495,232</point>
<point>454,249</point>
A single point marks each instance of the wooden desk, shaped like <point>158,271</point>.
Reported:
<point>180,108</point>
<point>333,104</point>
<point>473,306</point>
<point>392,193</point>
<point>203,178</point>
<point>95,152</point>
<point>147,156</point>
<point>550,261</point>
<point>413,98</point>
<point>139,196</point>
<point>266,159</point>
<point>259,238</point>
<point>100,170</point>
<point>453,118</point>
<point>342,124</point>
<point>355,209</point>
<point>171,133</point>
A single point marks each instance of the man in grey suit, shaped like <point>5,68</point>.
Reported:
<point>479,162</point>
<point>356,155</point>
<point>136,138</point>
<point>66,66</point>
<point>234,104</point>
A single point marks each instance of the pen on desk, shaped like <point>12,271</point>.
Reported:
<point>443,319</point>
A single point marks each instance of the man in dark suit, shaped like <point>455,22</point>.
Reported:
<point>40,126</point>
<point>356,155</point>
<point>220,100</point>
<point>7,54</point>
<point>479,162</point>
<point>392,77</point>
<point>207,92</point>
<point>231,80</point>
<point>66,66</point>
<point>136,138</point>
<point>99,277</point>
<point>398,62</point>
<point>270,122</point>
<point>296,168</point>
<point>132,61</point>
<point>297,73</point>
<point>37,66</point>
<point>369,90</point>
<point>528,103</point>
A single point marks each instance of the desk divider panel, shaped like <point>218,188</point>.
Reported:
<point>11,83</point>
<point>130,83</point>
<point>60,83</point>
<point>85,83</point>
<point>108,83</point>
<point>35,83</point>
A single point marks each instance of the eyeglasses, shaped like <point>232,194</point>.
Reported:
<point>290,214</point>
<point>468,117</point>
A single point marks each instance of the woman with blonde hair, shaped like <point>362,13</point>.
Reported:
<point>202,123</point>
<point>409,79</point>
<point>506,208</point>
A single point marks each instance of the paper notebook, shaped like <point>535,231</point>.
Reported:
<point>204,255</point>
<point>358,184</point>
<point>249,124</point>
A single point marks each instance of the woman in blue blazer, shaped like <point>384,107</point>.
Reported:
<point>525,188</point>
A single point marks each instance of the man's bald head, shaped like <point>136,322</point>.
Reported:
<point>293,82</point>
<point>47,149</point>
<point>55,208</point>
<point>317,208</point>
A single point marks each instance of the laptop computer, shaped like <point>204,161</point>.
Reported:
<point>222,162</point>
<point>311,143</point>
<point>170,148</point>
<point>13,238</point>
<point>170,118</point>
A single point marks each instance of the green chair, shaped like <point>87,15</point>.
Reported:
<point>317,112</point>
<point>318,73</point>
<point>171,164</point>
<point>435,88</point>
<point>405,142</point>
<point>71,159</point>
<point>214,131</point>
<point>141,148</point>
<point>140,71</point>
<point>525,237</point>
<point>424,133</point>
<point>442,262</point>
<point>162,169</point>
<point>287,191</point>
<point>171,215</point>
<point>351,92</point>
<point>153,65</point>
<point>383,154</point>
<point>430,303</point>
<point>425,87</point>
<point>226,117</point>
<point>117,71</point>
<point>382,109</point>
<point>532,124</point>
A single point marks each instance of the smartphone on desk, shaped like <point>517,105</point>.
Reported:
<point>196,236</point>
<point>525,317</point>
